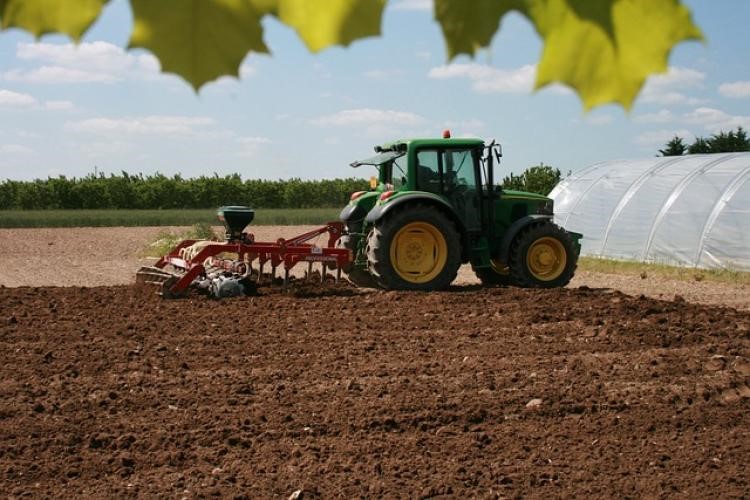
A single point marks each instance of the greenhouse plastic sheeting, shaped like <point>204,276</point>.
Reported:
<point>689,210</point>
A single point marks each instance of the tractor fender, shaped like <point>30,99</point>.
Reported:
<point>353,213</point>
<point>380,211</point>
<point>515,228</point>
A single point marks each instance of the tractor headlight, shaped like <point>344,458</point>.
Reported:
<point>546,208</point>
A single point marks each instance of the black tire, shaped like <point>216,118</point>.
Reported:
<point>490,277</point>
<point>360,278</point>
<point>535,243</point>
<point>447,252</point>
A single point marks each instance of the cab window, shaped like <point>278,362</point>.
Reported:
<point>428,171</point>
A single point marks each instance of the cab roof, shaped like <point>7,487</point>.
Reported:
<point>436,142</point>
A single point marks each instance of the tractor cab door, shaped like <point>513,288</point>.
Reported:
<point>453,174</point>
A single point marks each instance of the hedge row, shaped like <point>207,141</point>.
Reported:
<point>158,191</point>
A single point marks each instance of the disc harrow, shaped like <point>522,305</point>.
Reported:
<point>237,265</point>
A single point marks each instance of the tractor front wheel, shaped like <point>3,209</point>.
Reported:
<point>542,256</point>
<point>416,248</point>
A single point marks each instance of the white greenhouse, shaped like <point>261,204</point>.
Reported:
<point>687,210</point>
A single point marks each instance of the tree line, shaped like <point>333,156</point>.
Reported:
<point>160,192</point>
<point>723,142</point>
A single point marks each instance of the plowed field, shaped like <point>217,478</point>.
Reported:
<point>111,392</point>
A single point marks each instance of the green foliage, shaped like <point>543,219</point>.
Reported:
<point>722,142</point>
<point>699,146</point>
<point>182,217</point>
<point>539,179</point>
<point>729,142</point>
<point>157,191</point>
<point>675,147</point>
<point>39,17</point>
<point>227,27</point>
<point>603,49</point>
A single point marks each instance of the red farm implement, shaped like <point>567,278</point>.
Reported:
<point>236,266</point>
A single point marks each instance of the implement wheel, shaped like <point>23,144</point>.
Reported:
<point>416,248</point>
<point>543,256</point>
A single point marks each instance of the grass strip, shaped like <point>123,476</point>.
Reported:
<point>133,218</point>
<point>644,270</point>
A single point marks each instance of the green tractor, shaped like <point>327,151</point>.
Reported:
<point>434,206</point>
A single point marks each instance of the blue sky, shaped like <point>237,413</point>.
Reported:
<point>67,110</point>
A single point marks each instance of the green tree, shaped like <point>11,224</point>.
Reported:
<point>675,147</point>
<point>539,179</point>
<point>721,142</point>
<point>729,142</point>
<point>699,146</point>
<point>603,49</point>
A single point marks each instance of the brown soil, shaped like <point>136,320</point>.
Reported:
<point>112,392</point>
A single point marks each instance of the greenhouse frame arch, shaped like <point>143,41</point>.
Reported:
<point>691,211</point>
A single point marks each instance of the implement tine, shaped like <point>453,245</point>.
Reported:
<point>338,273</point>
<point>286,276</point>
<point>260,271</point>
<point>309,271</point>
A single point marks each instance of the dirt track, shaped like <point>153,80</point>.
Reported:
<point>107,392</point>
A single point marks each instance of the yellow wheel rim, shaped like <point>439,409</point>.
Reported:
<point>418,252</point>
<point>546,258</point>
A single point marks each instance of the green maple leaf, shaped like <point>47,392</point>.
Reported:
<point>200,40</point>
<point>603,49</point>
<point>322,23</point>
<point>39,17</point>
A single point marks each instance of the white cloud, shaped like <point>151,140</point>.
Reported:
<point>56,75</point>
<point>107,149</point>
<point>368,116</point>
<point>249,145</point>
<point>669,88</point>
<point>152,125</point>
<point>657,138</point>
<point>14,149</point>
<point>8,98</point>
<point>735,89</point>
<point>425,55</point>
<point>661,116</point>
<point>90,62</point>
<point>246,71</point>
<point>58,105</point>
<point>376,124</point>
<point>715,120</point>
<point>418,5</point>
<point>488,79</point>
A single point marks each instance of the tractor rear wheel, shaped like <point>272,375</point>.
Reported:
<point>496,274</point>
<point>543,256</point>
<point>416,248</point>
